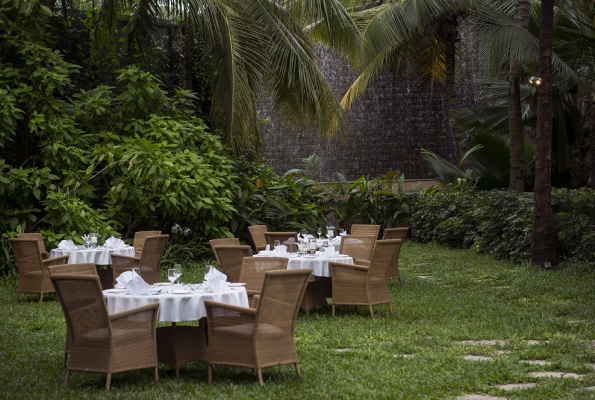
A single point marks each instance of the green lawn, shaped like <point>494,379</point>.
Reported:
<point>417,352</point>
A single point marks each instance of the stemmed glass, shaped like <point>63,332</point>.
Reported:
<point>172,275</point>
<point>304,233</point>
<point>319,232</point>
<point>178,268</point>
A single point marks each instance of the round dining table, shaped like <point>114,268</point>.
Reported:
<point>177,344</point>
<point>99,255</point>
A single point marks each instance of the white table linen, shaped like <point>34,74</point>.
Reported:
<point>319,264</point>
<point>98,255</point>
<point>176,307</point>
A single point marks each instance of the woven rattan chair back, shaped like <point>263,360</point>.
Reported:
<point>257,234</point>
<point>39,238</point>
<point>280,299</point>
<point>139,240</point>
<point>230,259</point>
<point>365,229</point>
<point>100,342</point>
<point>72,269</point>
<point>33,274</point>
<point>357,246</point>
<point>150,259</point>
<point>282,237</point>
<point>223,242</point>
<point>254,269</point>
<point>396,233</point>
<point>382,257</point>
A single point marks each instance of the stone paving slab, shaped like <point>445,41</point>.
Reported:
<point>589,388</point>
<point>514,386</point>
<point>478,358</point>
<point>404,355</point>
<point>495,342</point>
<point>536,342</point>
<point>554,374</point>
<point>536,362</point>
<point>502,352</point>
<point>479,397</point>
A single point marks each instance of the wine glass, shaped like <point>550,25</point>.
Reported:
<point>178,268</point>
<point>319,232</point>
<point>342,232</point>
<point>136,270</point>
<point>276,244</point>
<point>171,275</point>
<point>304,233</point>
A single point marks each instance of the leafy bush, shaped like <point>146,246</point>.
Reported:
<point>500,222</point>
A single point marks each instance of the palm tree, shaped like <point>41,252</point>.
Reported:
<point>543,249</point>
<point>253,47</point>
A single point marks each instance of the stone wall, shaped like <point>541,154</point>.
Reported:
<point>389,125</point>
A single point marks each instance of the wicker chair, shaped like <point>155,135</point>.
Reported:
<point>149,261</point>
<point>358,247</point>
<point>261,337</point>
<point>73,269</point>
<point>37,236</point>
<point>139,241</point>
<point>280,236</point>
<point>365,229</point>
<point>230,259</point>
<point>365,285</point>
<point>102,342</point>
<point>253,271</point>
<point>396,233</point>
<point>34,276</point>
<point>257,234</point>
<point>223,242</point>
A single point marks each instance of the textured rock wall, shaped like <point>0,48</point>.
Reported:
<point>389,125</point>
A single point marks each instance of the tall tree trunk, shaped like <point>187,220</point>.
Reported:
<point>449,36</point>
<point>517,151</point>
<point>592,141</point>
<point>188,51</point>
<point>543,249</point>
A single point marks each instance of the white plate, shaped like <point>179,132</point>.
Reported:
<point>116,290</point>
<point>162,284</point>
<point>181,291</point>
<point>310,256</point>
<point>237,284</point>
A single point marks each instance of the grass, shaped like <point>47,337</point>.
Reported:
<point>415,353</point>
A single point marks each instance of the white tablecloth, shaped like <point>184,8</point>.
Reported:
<point>99,255</point>
<point>319,264</point>
<point>176,307</point>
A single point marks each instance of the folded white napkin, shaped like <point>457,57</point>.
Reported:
<point>215,281</point>
<point>266,252</point>
<point>114,243</point>
<point>280,251</point>
<point>330,252</point>
<point>66,245</point>
<point>137,285</point>
<point>125,277</point>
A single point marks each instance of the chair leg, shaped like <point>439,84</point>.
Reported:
<point>400,282</point>
<point>259,375</point>
<point>67,380</point>
<point>108,381</point>
<point>333,311</point>
<point>156,373</point>
<point>371,311</point>
<point>390,307</point>
<point>65,362</point>
<point>297,369</point>
<point>210,373</point>
<point>177,370</point>
<point>17,297</point>
<point>40,297</point>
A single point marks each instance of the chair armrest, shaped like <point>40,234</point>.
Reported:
<point>132,311</point>
<point>337,265</point>
<point>359,261</point>
<point>342,272</point>
<point>55,261</point>
<point>121,259</point>
<point>137,321</point>
<point>221,315</point>
<point>255,301</point>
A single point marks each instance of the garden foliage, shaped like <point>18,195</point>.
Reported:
<point>499,222</point>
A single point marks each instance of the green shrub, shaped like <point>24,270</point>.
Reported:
<point>500,222</point>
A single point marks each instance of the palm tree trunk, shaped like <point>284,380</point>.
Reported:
<point>517,153</point>
<point>592,142</point>
<point>188,52</point>
<point>543,249</point>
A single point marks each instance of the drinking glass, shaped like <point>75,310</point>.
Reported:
<point>136,271</point>
<point>93,238</point>
<point>330,232</point>
<point>319,232</point>
<point>342,232</point>
<point>304,233</point>
<point>178,268</point>
<point>171,275</point>
<point>276,244</point>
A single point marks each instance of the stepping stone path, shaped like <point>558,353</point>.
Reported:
<point>343,350</point>
<point>479,397</point>
<point>482,342</point>
<point>536,342</point>
<point>589,388</point>
<point>536,362</point>
<point>552,374</point>
<point>514,386</point>
<point>502,352</point>
<point>478,358</point>
<point>424,277</point>
<point>404,355</point>
<point>578,321</point>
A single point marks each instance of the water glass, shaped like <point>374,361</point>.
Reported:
<point>276,244</point>
<point>93,238</point>
<point>136,271</point>
<point>171,275</point>
<point>178,268</point>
